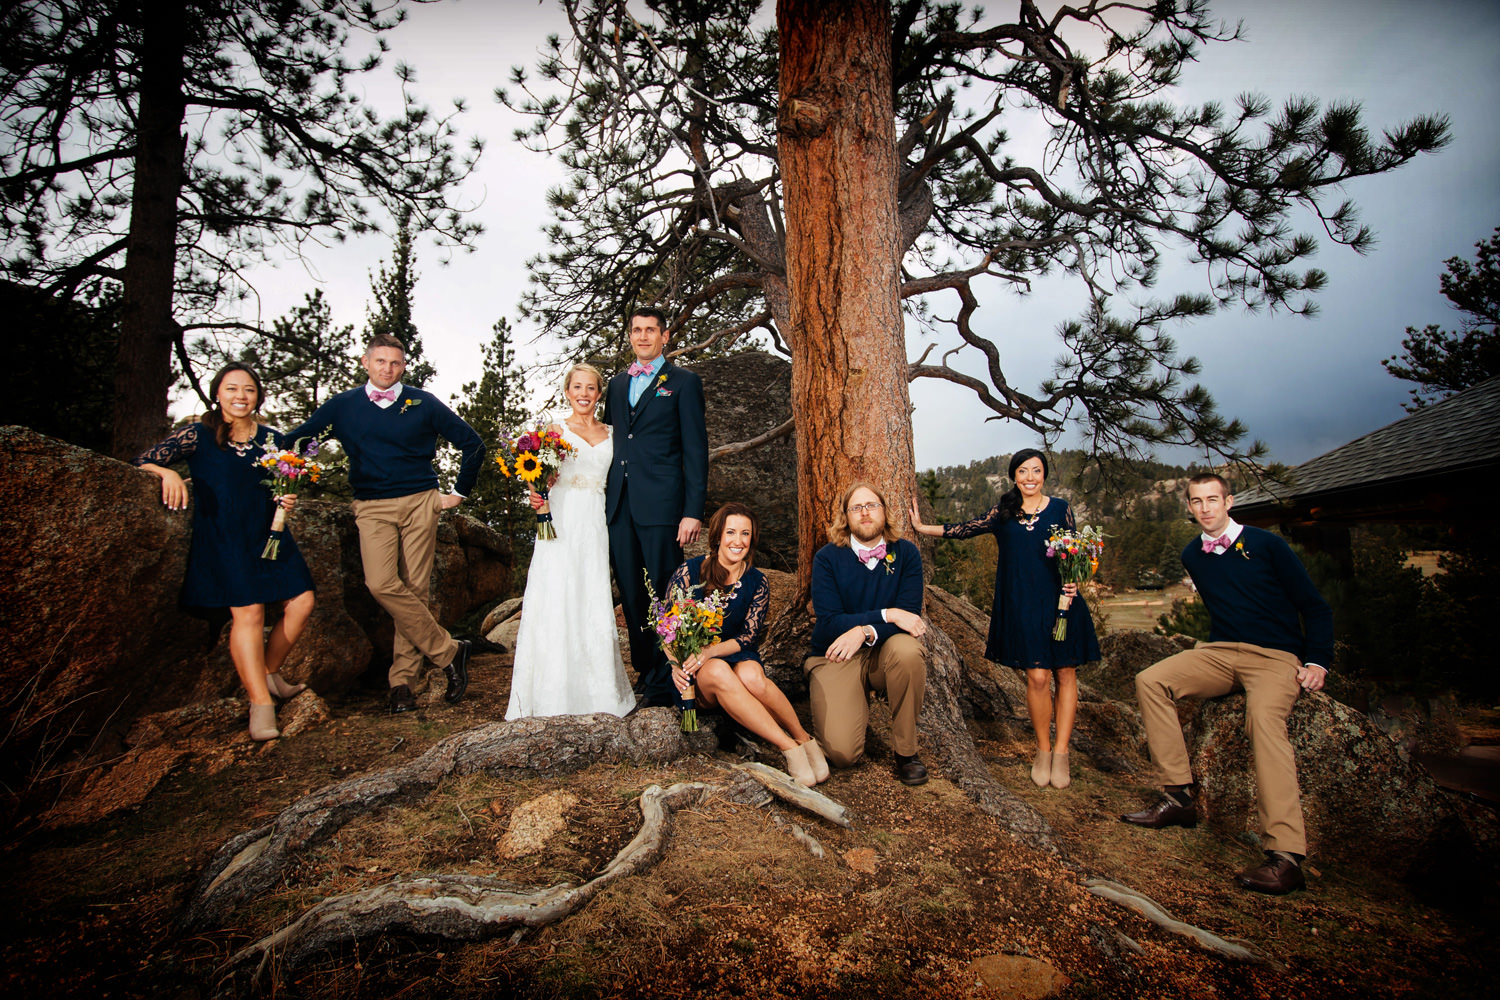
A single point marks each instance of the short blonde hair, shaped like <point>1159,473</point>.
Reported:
<point>838,531</point>
<point>584,366</point>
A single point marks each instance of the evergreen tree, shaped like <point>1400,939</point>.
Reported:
<point>828,175</point>
<point>171,144</point>
<point>391,313</point>
<point>492,405</point>
<point>1443,362</point>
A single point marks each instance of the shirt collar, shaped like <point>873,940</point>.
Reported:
<point>1231,532</point>
<point>655,364</point>
<point>370,389</point>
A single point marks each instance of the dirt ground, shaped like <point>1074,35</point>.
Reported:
<point>913,901</point>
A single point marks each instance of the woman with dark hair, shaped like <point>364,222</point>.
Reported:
<point>231,516</point>
<point>729,673</point>
<point>1027,584</point>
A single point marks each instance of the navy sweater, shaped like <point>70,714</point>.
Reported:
<point>1255,592</point>
<point>846,594</point>
<point>391,450</point>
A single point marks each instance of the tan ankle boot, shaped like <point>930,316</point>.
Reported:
<point>263,722</point>
<point>281,689</point>
<point>1041,768</point>
<point>815,759</point>
<point>1061,778</point>
<point>798,767</point>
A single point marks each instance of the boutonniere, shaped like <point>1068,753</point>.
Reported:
<point>1241,551</point>
<point>890,563</point>
<point>408,402</point>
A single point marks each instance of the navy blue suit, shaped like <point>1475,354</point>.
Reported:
<point>659,476</point>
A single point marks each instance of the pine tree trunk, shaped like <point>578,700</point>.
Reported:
<point>143,370</point>
<point>837,152</point>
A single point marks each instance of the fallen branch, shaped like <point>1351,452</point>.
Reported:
<point>1231,948</point>
<point>783,787</point>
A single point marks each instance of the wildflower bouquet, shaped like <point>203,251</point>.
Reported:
<point>533,455</point>
<point>286,471</point>
<point>686,625</point>
<point>1077,554</point>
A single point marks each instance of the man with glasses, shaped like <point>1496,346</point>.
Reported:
<point>867,596</point>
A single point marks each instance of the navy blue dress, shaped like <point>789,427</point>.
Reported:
<point>1027,586</point>
<point>231,521</point>
<point>745,618</point>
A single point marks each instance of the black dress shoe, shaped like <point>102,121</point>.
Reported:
<point>1276,875</point>
<point>1165,813</point>
<point>911,770</point>
<point>402,700</point>
<point>458,674</point>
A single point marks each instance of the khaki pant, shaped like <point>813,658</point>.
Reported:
<point>397,540</point>
<point>841,710</point>
<point>1269,679</point>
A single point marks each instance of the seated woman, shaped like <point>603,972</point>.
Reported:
<point>728,673</point>
<point>231,517</point>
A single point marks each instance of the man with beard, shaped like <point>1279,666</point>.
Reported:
<point>867,596</point>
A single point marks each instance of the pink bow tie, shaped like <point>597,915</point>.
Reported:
<point>877,553</point>
<point>636,368</point>
<point>376,395</point>
<point>1218,544</point>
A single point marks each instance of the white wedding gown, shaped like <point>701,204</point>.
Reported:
<point>568,649</point>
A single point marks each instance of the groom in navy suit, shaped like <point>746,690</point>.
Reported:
<point>655,495</point>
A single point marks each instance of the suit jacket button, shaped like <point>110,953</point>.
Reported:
<point>630,437</point>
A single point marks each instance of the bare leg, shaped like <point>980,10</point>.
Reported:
<point>719,685</point>
<point>765,691</point>
<point>1067,706</point>
<point>247,650</point>
<point>294,615</point>
<point>1039,706</point>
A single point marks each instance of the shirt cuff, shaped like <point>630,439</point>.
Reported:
<point>882,615</point>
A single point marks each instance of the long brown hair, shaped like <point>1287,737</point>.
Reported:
<point>214,418</point>
<point>838,531</point>
<point>714,576</point>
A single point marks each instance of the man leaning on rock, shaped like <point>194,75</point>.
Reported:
<point>1271,635</point>
<point>390,431</point>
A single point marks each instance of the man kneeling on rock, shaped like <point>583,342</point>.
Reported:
<point>1270,634</point>
<point>867,596</point>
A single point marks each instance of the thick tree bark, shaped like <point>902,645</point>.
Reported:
<point>143,369</point>
<point>837,153</point>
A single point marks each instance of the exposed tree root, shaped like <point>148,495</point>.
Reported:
<point>250,864</point>
<point>1231,948</point>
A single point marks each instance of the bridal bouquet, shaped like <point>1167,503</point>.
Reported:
<point>686,625</point>
<point>287,469</point>
<point>1077,554</point>
<point>532,455</point>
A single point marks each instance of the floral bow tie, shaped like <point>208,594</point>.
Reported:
<point>636,368</point>
<point>376,395</point>
<point>1218,544</point>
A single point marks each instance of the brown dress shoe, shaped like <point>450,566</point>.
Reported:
<point>1165,813</point>
<point>911,770</point>
<point>402,700</point>
<point>1277,875</point>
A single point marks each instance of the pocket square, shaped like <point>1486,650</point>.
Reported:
<point>664,392</point>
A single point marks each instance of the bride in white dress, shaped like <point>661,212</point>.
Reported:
<point>568,649</point>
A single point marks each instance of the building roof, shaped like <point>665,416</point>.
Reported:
<point>1421,455</point>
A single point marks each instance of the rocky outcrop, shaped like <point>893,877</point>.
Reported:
<point>90,628</point>
<point>749,394</point>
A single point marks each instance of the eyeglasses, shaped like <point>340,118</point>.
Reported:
<point>865,508</point>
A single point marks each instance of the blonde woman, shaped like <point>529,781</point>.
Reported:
<point>568,650</point>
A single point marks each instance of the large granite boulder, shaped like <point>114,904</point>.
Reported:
<point>90,628</point>
<point>748,394</point>
<point>1364,798</point>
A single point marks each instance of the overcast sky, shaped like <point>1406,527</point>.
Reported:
<point>1302,385</point>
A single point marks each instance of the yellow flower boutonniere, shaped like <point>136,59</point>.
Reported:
<point>890,563</point>
<point>409,402</point>
<point>1241,551</point>
<point>661,378</point>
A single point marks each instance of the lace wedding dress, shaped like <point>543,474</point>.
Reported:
<point>568,649</point>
